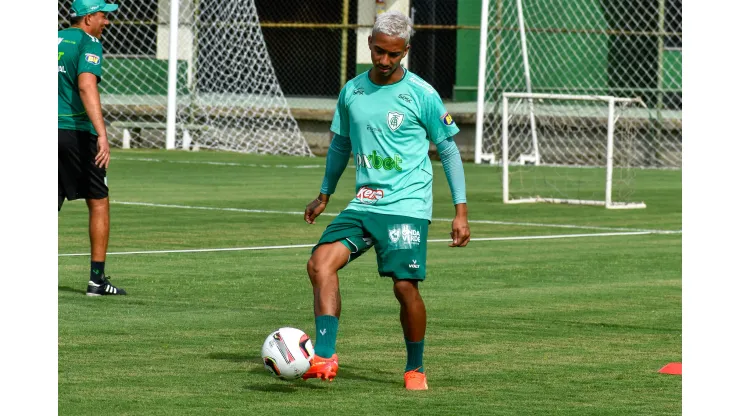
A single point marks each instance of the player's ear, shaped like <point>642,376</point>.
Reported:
<point>370,41</point>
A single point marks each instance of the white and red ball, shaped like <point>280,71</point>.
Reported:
<point>287,353</point>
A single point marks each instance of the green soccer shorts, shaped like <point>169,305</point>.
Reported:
<point>400,242</point>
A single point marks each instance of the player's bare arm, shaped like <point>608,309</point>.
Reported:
<point>90,96</point>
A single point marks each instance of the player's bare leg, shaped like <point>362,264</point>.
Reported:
<point>99,210</point>
<point>322,269</point>
<point>414,323</point>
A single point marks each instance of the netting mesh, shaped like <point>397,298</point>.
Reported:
<point>591,47</point>
<point>228,97</point>
<point>570,133</point>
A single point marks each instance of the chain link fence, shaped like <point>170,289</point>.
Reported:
<point>625,49</point>
<point>276,61</point>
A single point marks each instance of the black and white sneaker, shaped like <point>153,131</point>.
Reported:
<point>103,289</point>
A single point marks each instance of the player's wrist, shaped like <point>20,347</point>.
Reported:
<point>461,210</point>
<point>323,198</point>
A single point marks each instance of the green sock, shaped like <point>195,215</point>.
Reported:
<point>415,356</point>
<point>326,335</point>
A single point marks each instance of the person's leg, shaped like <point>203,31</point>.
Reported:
<point>322,269</point>
<point>99,229</point>
<point>95,190</point>
<point>401,252</point>
<point>413,321</point>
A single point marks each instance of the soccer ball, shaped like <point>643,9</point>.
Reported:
<point>287,353</point>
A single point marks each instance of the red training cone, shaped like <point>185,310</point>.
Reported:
<point>671,368</point>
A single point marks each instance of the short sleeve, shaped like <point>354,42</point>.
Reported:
<point>340,122</point>
<point>91,58</point>
<point>437,121</point>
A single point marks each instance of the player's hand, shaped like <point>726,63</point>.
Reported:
<point>315,208</point>
<point>460,231</point>
<point>102,159</point>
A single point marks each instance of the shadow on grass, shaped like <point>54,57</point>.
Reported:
<point>70,289</point>
<point>346,372</point>
<point>235,358</point>
<point>365,374</point>
<point>285,386</point>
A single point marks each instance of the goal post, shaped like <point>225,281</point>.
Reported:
<point>581,149</point>
<point>585,53</point>
<point>193,74</point>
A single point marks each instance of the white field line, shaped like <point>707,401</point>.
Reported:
<point>249,165</point>
<point>210,250</point>
<point>328,214</point>
<point>193,162</point>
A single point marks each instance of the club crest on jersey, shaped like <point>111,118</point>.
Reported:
<point>394,120</point>
<point>92,58</point>
<point>447,119</point>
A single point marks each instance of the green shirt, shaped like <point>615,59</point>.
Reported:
<point>78,53</point>
<point>390,127</point>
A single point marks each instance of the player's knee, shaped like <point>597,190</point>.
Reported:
<point>405,290</point>
<point>317,267</point>
<point>98,205</point>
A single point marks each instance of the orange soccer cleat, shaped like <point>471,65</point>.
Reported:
<point>415,380</point>
<point>323,368</point>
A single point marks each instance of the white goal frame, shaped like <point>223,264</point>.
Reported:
<point>608,202</point>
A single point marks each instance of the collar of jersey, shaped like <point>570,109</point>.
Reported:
<point>405,72</point>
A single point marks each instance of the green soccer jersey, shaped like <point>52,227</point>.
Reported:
<point>78,53</point>
<point>390,127</point>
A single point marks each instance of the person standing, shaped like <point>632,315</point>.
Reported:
<point>84,152</point>
<point>386,116</point>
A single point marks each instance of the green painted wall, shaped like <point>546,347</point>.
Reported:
<point>672,69</point>
<point>466,69</point>
<point>597,64</point>
<point>150,73</point>
<point>362,68</point>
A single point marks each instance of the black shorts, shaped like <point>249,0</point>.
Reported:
<point>79,178</point>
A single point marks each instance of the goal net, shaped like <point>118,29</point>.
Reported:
<point>227,94</point>
<point>570,149</point>
<point>580,48</point>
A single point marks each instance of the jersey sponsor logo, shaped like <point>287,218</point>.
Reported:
<point>92,58</point>
<point>414,265</point>
<point>369,196</point>
<point>394,120</point>
<point>62,69</point>
<point>404,237</point>
<point>447,119</point>
<point>376,161</point>
<point>405,97</point>
<point>359,91</point>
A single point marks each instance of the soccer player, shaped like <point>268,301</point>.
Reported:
<point>84,153</point>
<point>386,117</point>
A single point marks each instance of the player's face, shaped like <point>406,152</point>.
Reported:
<point>97,21</point>
<point>386,53</point>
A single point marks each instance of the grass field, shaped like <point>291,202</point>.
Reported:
<point>566,326</point>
